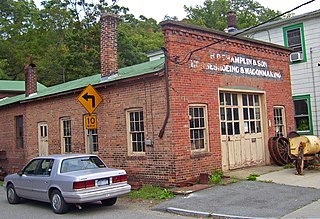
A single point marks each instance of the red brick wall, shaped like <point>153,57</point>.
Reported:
<point>169,160</point>
<point>188,86</point>
<point>15,156</point>
<point>156,167</point>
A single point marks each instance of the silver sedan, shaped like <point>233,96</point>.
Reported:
<point>65,179</point>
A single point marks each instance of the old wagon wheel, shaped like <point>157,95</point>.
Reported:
<point>273,155</point>
<point>282,150</point>
<point>300,161</point>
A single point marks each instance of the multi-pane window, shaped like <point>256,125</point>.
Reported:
<point>279,122</point>
<point>302,114</point>
<point>198,127</point>
<point>66,134</point>
<point>94,133</point>
<point>294,38</point>
<point>136,131</point>
<point>19,131</point>
<point>251,113</point>
<point>229,114</point>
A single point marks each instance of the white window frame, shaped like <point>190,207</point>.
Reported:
<point>277,121</point>
<point>130,133</point>
<point>63,137</point>
<point>87,140</point>
<point>204,128</point>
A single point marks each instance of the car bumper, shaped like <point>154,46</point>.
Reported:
<point>92,196</point>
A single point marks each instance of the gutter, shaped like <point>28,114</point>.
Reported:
<point>167,93</point>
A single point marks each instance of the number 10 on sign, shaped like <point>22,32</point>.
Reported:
<point>91,122</point>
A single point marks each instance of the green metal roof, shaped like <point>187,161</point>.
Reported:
<point>16,86</point>
<point>123,73</point>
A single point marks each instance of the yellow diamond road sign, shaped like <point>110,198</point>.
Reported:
<point>90,99</point>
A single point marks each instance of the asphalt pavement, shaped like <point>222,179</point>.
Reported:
<point>279,194</point>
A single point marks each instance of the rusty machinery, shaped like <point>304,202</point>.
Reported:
<point>295,148</point>
<point>304,149</point>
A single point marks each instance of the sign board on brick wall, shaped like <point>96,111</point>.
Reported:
<point>91,122</point>
<point>90,99</point>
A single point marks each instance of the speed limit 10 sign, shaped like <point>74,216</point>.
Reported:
<point>91,122</point>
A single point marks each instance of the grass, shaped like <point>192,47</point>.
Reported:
<point>253,177</point>
<point>216,177</point>
<point>151,192</point>
<point>288,166</point>
<point>1,183</point>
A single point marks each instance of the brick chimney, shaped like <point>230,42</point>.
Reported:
<point>30,72</point>
<point>232,22</point>
<point>109,45</point>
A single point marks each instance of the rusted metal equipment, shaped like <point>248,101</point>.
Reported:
<point>304,149</point>
<point>279,150</point>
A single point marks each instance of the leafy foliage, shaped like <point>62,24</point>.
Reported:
<point>63,38</point>
<point>151,192</point>
<point>213,13</point>
<point>216,177</point>
<point>253,177</point>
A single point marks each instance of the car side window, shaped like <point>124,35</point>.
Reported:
<point>30,169</point>
<point>45,167</point>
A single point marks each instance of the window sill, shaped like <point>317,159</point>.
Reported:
<point>200,154</point>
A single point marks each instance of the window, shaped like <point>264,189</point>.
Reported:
<point>30,169</point>
<point>19,131</point>
<point>81,163</point>
<point>251,113</point>
<point>198,127</point>
<point>279,122</point>
<point>229,114</point>
<point>45,167</point>
<point>94,133</point>
<point>302,114</point>
<point>135,127</point>
<point>294,38</point>
<point>66,135</point>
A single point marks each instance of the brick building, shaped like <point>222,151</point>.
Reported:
<point>208,108</point>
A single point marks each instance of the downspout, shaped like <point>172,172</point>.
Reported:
<point>314,91</point>
<point>167,93</point>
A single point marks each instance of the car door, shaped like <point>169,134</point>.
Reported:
<point>41,180</point>
<point>23,183</point>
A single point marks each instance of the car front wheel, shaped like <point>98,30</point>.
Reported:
<point>59,206</point>
<point>109,202</point>
<point>12,196</point>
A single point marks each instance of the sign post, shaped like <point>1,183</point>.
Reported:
<point>90,100</point>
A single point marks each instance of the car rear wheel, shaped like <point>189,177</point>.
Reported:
<point>59,206</point>
<point>109,202</point>
<point>12,196</point>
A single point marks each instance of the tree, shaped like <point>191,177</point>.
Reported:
<point>213,13</point>
<point>63,38</point>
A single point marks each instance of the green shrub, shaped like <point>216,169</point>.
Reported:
<point>216,177</point>
<point>151,192</point>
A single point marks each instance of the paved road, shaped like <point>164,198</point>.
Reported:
<point>247,199</point>
<point>124,208</point>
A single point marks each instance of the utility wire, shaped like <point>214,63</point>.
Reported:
<point>188,56</point>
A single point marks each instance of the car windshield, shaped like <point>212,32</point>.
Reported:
<point>81,163</point>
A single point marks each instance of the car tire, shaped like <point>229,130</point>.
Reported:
<point>58,205</point>
<point>109,201</point>
<point>12,196</point>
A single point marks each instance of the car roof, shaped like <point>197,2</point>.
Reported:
<point>63,156</point>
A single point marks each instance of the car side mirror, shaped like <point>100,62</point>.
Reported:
<point>20,173</point>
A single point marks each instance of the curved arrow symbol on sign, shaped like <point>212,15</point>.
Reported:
<point>87,97</point>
